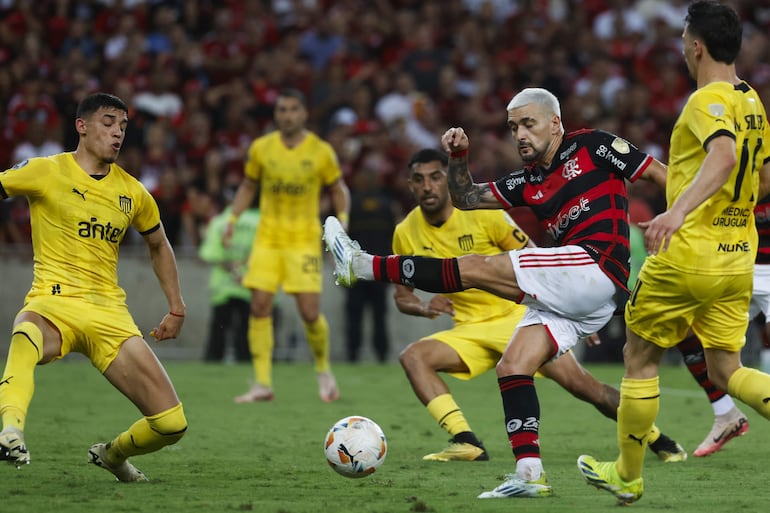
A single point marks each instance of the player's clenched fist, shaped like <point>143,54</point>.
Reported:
<point>454,140</point>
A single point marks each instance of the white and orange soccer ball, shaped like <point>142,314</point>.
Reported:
<point>355,446</point>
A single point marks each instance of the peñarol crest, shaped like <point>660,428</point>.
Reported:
<point>465,242</point>
<point>125,204</point>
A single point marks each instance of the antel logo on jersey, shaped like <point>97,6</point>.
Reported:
<point>94,230</point>
<point>565,217</point>
<point>288,188</point>
<point>571,169</point>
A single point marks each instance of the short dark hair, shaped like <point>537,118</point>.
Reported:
<point>718,26</point>
<point>428,155</point>
<point>290,92</point>
<point>96,101</point>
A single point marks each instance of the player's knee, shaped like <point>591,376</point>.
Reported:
<point>171,424</point>
<point>414,356</point>
<point>407,357</point>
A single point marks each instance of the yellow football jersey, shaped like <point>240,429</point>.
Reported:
<point>719,236</point>
<point>483,232</point>
<point>78,223</point>
<point>290,181</point>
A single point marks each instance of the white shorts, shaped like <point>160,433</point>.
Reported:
<point>565,290</point>
<point>760,296</point>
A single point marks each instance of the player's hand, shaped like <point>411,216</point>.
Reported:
<point>227,235</point>
<point>438,305</point>
<point>593,340</point>
<point>169,327</point>
<point>660,229</point>
<point>455,139</point>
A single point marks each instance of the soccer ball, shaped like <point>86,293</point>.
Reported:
<point>355,446</point>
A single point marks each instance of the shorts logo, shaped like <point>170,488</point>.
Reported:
<point>465,242</point>
<point>407,268</point>
<point>126,204</point>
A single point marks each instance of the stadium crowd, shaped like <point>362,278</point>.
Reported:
<point>382,77</point>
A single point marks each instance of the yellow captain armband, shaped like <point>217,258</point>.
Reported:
<point>343,217</point>
<point>232,219</point>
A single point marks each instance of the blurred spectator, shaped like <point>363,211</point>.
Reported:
<point>36,143</point>
<point>31,102</point>
<point>424,60</point>
<point>320,43</point>
<point>229,324</point>
<point>160,100</point>
<point>406,70</point>
<point>373,217</point>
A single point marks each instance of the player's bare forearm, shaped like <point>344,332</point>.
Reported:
<point>165,268</point>
<point>465,194</point>
<point>656,172</point>
<point>407,301</point>
<point>340,195</point>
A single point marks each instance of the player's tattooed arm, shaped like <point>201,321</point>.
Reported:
<point>465,194</point>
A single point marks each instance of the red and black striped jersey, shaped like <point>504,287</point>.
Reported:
<point>762,218</point>
<point>581,197</point>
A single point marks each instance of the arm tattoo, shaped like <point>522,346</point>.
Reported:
<point>461,187</point>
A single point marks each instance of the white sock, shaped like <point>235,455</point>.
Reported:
<point>529,469</point>
<point>362,266</point>
<point>723,405</point>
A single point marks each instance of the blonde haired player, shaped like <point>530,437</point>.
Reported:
<point>289,166</point>
<point>483,322</point>
<point>81,206</point>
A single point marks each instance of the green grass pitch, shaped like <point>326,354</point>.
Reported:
<point>269,458</point>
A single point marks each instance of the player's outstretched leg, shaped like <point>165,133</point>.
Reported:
<point>12,447</point>
<point>123,471</point>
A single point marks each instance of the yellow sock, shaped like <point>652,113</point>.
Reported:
<point>639,404</point>
<point>148,434</point>
<point>317,334</point>
<point>752,387</point>
<point>18,382</point>
<point>654,435</point>
<point>261,346</point>
<point>448,415</point>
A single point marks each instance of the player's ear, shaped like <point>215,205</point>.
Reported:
<point>555,125</point>
<point>80,126</point>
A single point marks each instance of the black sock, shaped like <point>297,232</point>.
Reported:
<point>692,352</point>
<point>522,415</point>
<point>467,437</point>
<point>428,274</point>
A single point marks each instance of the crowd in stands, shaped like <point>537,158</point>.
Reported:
<point>382,78</point>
